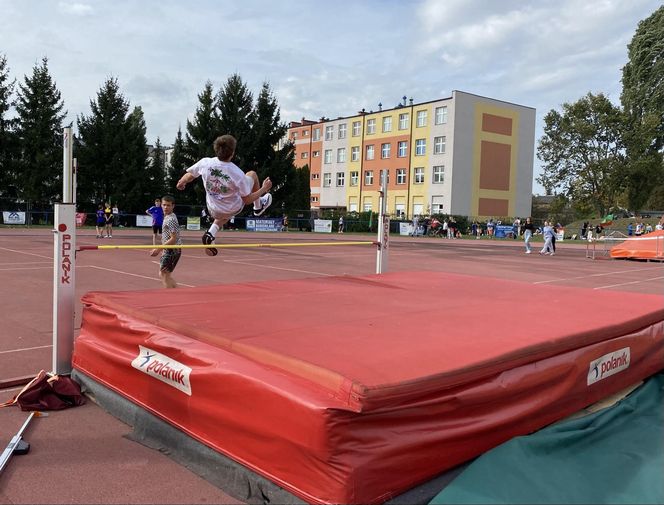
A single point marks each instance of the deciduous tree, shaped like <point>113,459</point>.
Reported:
<point>583,151</point>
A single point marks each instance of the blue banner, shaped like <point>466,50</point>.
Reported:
<point>264,224</point>
<point>504,230</point>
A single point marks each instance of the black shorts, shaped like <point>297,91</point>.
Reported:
<point>156,228</point>
<point>169,259</point>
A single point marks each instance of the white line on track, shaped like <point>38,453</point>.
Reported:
<point>29,254</point>
<point>28,263</point>
<point>26,268</point>
<point>595,275</point>
<point>133,275</point>
<point>26,349</point>
<point>237,262</point>
<point>627,283</point>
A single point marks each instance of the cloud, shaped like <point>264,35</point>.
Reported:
<point>76,9</point>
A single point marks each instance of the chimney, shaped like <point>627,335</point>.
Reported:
<point>380,106</point>
<point>404,100</point>
<point>411,101</point>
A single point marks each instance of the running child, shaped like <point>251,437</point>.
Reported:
<point>157,219</point>
<point>170,235</point>
<point>227,188</point>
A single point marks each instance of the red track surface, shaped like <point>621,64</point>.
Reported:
<point>87,444</point>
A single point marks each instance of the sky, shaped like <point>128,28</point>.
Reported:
<point>322,58</point>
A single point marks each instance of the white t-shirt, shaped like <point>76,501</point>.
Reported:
<point>225,185</point>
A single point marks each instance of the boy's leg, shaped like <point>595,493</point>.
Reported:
<point>262,203</point>
<point>210,235</point>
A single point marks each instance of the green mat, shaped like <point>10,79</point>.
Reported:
<point>612,456</point>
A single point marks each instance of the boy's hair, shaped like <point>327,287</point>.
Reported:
<point>157,199</point>
<point>168,198</point>
<point>224,147</point>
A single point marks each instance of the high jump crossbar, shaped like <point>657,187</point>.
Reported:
<point>64,255</point>
<point>226,246</point>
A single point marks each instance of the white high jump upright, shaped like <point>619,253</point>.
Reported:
<point>383,228</point>
<point>64,263</point>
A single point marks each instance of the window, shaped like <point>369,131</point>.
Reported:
<point>355,153</point>
<point>294,135</point>
<point>304,156</point>
<point>403,121</point>
<point>356,128</point>
<point>316,134</point>
<point>329,132</point>
<point>385,150</point>
<point>370,152</point>
<point>341,179</point>
<point>403,149</point>
<point>342,131</point>
<point>436,204</point>
<point>438,174</point>
<point>421,118</point>
<point>418,209</point>
<point>420,147</point>
<point>367,205</point>
<point>353,206</point>
<point>314,199</point>
<point>368,178</point>
<point>387,124</point>
<point>401,176</point>
<point>354,178</point>
<point>315,177</point>
<point>441,115</point>
<point>341,155</point>
<point>327,179</point>
<point>371,126</point>
<point>419,175</point>
<point>439,145</point>
<point>305,133</point>
<point>328,156</point>
<point>386,173</point>
<point>316,154</point>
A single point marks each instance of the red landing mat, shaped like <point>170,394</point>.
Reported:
<point>353,390</point>
<point>646,247</point>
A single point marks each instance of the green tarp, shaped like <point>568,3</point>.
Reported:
<point>615,455</point>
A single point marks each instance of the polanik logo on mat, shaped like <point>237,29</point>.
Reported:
<point>163,368</point>
<point>608,365</point>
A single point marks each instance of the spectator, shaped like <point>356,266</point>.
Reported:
<point>341,224</point>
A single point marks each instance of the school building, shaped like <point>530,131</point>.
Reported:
<point>463,155</point>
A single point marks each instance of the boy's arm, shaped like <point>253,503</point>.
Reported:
<point>184,180</point>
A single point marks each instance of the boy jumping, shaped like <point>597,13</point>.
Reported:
<point>227,188</point>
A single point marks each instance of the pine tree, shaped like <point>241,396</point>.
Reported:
<point>263,155</point>
<point>137,186</point>
<point>177,165</point>
<point>203,129</point>
<point>101,145</point>
<point>7,137</point>
<point>39,133</point>
<point>201,132</point>
<point>112,152</point>
<point>156,172</point>
<point>236,117</point>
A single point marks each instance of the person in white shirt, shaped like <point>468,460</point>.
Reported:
<point>227,188</point>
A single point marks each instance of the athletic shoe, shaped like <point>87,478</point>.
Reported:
<point>527,252</point>
<point>208,238</point>
<point>552,254</point>
<point>265,201</point>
